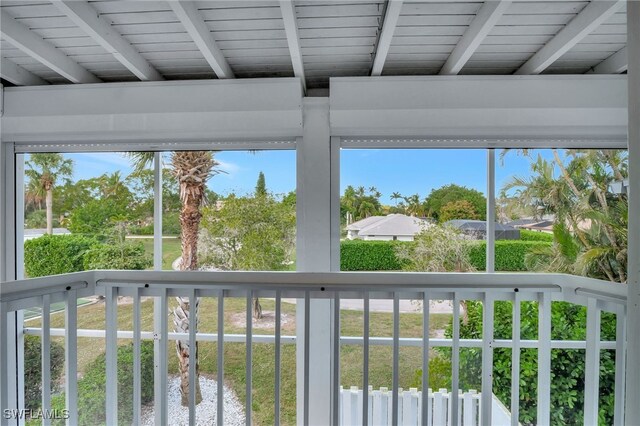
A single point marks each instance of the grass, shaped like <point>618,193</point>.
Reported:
<point>171,250</point>
<point>381,324</point>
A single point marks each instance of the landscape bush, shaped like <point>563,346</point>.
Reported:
<point>92,386</point>
<point>33,369</point>
<point>56,254</point>
<point>567,366</point>
<point>359,255</point>
<point>528,235</point>
<point>126,255</point>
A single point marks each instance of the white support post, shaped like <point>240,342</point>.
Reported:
<point>314,247</point>
<point>544,359</point>
<point>19,186</point>
<point>111,341</point>
<point>487,359</point>
<point>491,211</point>
<point>160,359</point>
<point>632,407</point>
<point>592,364</point>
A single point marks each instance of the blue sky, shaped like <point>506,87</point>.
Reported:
<point>404,171</point>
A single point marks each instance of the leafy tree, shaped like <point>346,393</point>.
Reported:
<point>261,186</point>
<point>461,209</point>
<point>414,206</point>
<point>360,203</point>
<point>44,171</point>
<point>191,170</point>
<point>249,234</point>
<point>118,253</point>
<point>452,192</point>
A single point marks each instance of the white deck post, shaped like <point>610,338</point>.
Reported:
<point>632,407</point>
<point>313,248</point>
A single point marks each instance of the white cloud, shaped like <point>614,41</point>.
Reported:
<point>229,168</point>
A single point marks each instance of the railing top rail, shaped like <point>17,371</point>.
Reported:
<point>329,281</point>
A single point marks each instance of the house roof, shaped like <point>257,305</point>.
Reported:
<point>393,224</point>
<point>358,225</point>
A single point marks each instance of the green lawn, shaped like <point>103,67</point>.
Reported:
<point>171,250</point>
<point>92,317</point>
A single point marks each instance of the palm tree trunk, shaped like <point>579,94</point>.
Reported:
<point>49,204</point>
<point>565,174</point>
<point>190,223</point>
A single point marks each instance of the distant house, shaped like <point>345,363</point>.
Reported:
<point>544,224</point>
<point>392,227</point>
<point>478,229</point>
<point>30,234</point>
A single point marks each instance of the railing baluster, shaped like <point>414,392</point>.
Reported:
<point>277,358</point>
<point>335,409</point>
<point>455,361</point>
<point>487,359</point>
<point>111,342</point>
<point>71,355</point>
<point>137,398</point>
<point>515,361</point>
<point>220,360</point>
<point>425,358</point>
<point>307,342</point>
<point>161,400</point>
<point>621,347</point>
<point>4,358</point>
<point>592,364</point>
<point>544,359</point>
<point>396,360</point>
<point>45,342</point>
<point>193,324</point>
<point>248,352</point>
<point>365,361</point>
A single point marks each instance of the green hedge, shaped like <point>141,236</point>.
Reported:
<point>92,386</point>
<point>33,369</point>
<point>128,255</point>
<point>56,254</point>
<point>527,235</point>
<point>358,255</point>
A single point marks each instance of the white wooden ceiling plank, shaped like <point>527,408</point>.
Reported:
<point>161,63</point>
<point>251,44</point>
<point>391,16</point>
<point>288,13</point>
<point>235,4</point>
<point>169,37</point>
<point>26,61</point>
<point>418,57</point>
<point>598,47</point>
<point>586,56</point>
<point>60,33</point>
<point>30,11</point>
<point>190,17</point>
<point>614,64</point>
<point>29,42</point>
<point>421,31</point>
<point>165,47</point>
<point>517,39</point>
<point>611,29</point>
<point>427,48</point>
<point>605,38</point>
<point>513,48</point>
<point>310,59</point>
<point>546,7</point>
<point>46,22</point>
<point>486,71</point>
<point>155,17</point>
<point>339,22</point>
<point>422,40</point>
<point>239,14</point>
<point>441,8</point>
<point>512,64</point>
<point>152,28</point>
<point>490,56</point>
<point>234,53</point>
<point>339,10</point>
<point>17,75</point>
<point>338,65</point>
<point>220,36</point>
<point>178,54</point>
<point>344,50</point>
<point>525,30</point>
<point>488,15</point>
<point>440,20</point>
<point>559,19</point>
<point>245,25</point>
<point>590,17</point>
<point>337,41</point>
<point>84,41</point>
<point>98,28</point>
<point>335,2</point>
<point>82,50</point>
<point>121,7</point>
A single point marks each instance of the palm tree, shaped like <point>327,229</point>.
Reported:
<point>396,196</point>
<point>192,170</point>
<point>44,172</point>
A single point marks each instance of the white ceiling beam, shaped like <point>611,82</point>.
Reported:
<point>192,21</point>
<point>99,29</point>
<point>486,18</point>
<point>288,10</point>
<point>18,75</point>
<point>614,64</point>
<point>582,25</point>
<point>32,44</point>
<point>391,16</point>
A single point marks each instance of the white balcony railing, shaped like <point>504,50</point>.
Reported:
<point>596,295</point>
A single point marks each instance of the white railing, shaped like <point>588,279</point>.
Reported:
<point>597,296</point>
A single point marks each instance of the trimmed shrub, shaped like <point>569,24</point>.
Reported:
<point>33,369</point>
<point>509,254</point>
<point>358,255</point>
<point>528,235</point>
<point>127,255</point>
<point>55,254</point>
<point>92,386</point>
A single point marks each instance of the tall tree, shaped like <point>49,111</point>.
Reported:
<point>192,170</point>
<point>261,186</point>
<point>46,170</point>
<point>452,192</point>
<point>396,196</point>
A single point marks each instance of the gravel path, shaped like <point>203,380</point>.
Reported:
<point>205,411</point>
